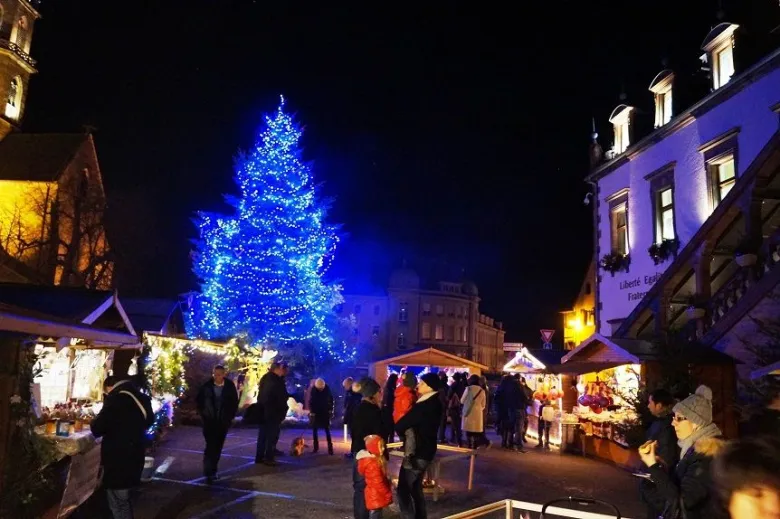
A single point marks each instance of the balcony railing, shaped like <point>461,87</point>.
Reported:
<point>16,49</point>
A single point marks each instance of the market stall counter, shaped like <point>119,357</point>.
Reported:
<point>609,375</point>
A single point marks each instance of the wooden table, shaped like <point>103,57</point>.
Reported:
<point>460,453</point>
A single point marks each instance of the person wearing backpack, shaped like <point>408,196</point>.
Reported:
<point>122,423</point>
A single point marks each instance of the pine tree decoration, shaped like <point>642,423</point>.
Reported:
<point>261,269</point>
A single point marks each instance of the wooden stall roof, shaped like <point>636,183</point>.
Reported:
<point>47,327</point>
<point>429,357</point>
<point>597,353</point>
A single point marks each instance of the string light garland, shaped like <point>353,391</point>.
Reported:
<point>261,268</point>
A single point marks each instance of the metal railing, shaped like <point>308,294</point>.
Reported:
<point>16,49</point>
<point>511,506</point>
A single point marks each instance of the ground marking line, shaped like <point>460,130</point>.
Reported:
<point>193,451</point>
<point>240,445</point>
<point>223,472</point>
<point>224,506</point>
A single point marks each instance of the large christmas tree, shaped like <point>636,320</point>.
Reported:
<point>261,268</point>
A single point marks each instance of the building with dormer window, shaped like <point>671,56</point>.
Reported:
<point>687,216</point>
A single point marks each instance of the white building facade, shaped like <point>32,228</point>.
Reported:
<point>659,191</point>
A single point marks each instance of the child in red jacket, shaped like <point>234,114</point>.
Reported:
<point>405,397</point>
<point>373,467</point>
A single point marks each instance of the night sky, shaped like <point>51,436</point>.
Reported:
<point>453,138</point>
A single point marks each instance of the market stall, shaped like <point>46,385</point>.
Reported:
<point>548,386</point>
<point>610,374</point>
<point>421,361</point>
<point>48,365</point>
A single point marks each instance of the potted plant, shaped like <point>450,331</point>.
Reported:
<point>746,252</point>
<point>696,306</point>
<point>614,262</point>
<point>664,250</point>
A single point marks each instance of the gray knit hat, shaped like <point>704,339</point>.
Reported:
<point>697,408</point>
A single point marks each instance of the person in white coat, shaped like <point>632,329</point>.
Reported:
<point>474,401</point>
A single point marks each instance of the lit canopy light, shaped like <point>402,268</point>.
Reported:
<point>261,267</point>
<point>524,361</point>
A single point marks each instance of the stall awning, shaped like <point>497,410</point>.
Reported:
<point>429,357</point>
<point>598,352</point>
<point>18,320</point>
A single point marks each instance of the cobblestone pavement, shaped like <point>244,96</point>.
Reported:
<point>320,486</point>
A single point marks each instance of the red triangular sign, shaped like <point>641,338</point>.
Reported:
<point>547,335</point>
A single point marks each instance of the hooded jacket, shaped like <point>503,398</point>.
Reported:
<point>690,485</point>
<point>122,422</point>
<point>403,401</point>
<point>378,493</point>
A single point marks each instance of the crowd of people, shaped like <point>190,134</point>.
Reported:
<point>691,471</point>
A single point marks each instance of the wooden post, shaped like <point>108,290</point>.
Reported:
<point>10,351</point>
<point>471,470</point>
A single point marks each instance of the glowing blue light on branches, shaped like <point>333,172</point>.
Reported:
<point>261,268</point>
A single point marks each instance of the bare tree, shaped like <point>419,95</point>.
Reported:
<point>58,230</point>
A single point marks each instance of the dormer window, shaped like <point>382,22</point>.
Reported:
<point>13,102</point>
<point>621,122</point>
<point>661,87</point>
<point>719,48</point>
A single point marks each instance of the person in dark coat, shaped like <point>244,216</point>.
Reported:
<point>454,408</point>
<point>217,406</point>
<point>661,431</point>
<point>442,393</point>
<point>366,420</point>
<point>521,413</point>
<point>272,399</point>
<point>424,420</point>
<point>321,412</point>
<point>507,400</point>
<point>388,400</point>
<point>767,420</point>
<point>122,423</point>
<point>687,490</point>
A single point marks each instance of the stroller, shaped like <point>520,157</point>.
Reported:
<point>582,501</point>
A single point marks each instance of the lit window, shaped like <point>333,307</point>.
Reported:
<point>439,309</point>
<point>403,313</point>
<point>462,334</point>
<point>619,223</point>
<point>426,331</point>
<point>724,65</point>
<point>665,214</point>
<point>426,309</point>
<point>621,122</point>
<point>401,341</point>
<point>13,101</point>
<point>439,332</point>
<point>719,52</point>
<point>723,178</point>
<point>661,87</point>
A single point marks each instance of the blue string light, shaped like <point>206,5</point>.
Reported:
<point>261,268</point>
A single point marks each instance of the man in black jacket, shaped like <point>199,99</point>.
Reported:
<point>272,400</point>
<point>122,422</point>
<point>217,406</point>
<point>660,404</point>
<point>366,420</point>
<point>424,419</point>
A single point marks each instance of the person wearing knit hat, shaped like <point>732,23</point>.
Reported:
<point>409,380</point>
<point>433,381</point>
<point>687,490</point>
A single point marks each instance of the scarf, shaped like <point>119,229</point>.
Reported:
<point>708,431</point>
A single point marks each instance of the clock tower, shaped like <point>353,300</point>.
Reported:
<point>16,65</point>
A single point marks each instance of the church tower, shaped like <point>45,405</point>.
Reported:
<point>16,66</point>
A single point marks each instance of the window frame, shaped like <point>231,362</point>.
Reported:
<point>717,52</point>
<point>662,180</point>
<point>438,334</point>
<point>715,152</point>
<point>403,312</point>
<point>616,203</point>
<point>425,331</point>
